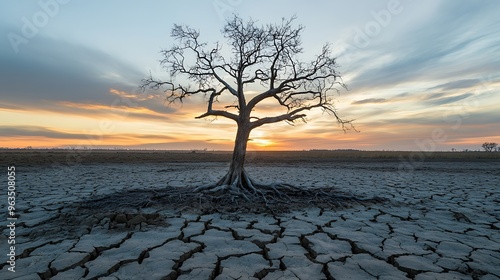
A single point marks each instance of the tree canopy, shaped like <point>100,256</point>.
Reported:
<point>264,54</point>
<point>258,63</point>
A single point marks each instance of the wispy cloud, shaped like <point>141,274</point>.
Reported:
<point>460,84</point>
<point>37,131</point>
<point>55,70</point>
<point>434,50</point>
<point>369,100</point>
<point>31,134</point>
<point>9,107</point>
<point>448,99</point>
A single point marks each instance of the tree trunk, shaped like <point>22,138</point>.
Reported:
<point>236,175</point>
<point>236,182</point>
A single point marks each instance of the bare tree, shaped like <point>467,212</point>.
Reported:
<point>489,147</point>
<point>264,56</point>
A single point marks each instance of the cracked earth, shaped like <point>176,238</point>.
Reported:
<point>441,221</point>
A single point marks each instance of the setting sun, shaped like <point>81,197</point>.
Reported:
<point>262,142</point>
<point>260,139</point>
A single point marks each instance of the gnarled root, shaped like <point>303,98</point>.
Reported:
<point>236,185</point>
<point>232,188</point>
<point>233,193</point>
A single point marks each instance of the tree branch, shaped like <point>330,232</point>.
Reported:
<point>268,55</point>
<point>220,113</point>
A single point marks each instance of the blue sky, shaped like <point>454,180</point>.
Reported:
<point>70,72</point>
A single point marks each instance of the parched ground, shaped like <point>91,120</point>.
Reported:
<point>440,220</point>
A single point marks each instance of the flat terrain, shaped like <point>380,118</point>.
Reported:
<point>61,157</point>
<point>440,219</point>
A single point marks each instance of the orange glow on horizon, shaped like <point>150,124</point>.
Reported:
<point>94,125</point>
<point>35,142</point>
<point>118,110</point>
<point>263,142</point>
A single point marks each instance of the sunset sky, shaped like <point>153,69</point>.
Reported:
<point>422,75</point>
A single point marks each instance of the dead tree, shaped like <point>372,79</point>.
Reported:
<point>261,57</point>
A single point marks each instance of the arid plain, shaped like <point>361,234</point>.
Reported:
<point>438,217</point>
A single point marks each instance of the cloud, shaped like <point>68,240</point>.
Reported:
<point>369,100</point>
<point>460,84</point>
<point>10,131</point>
<point>455,41</point>
<point>97,110</point>
<point>431,96</point>
<point>57,76</point>
<point>121,108</point>
<point>9,107</point>
<point>138,97</point>
<point>219,140</point>
<point>39,131</point>
<point>448,99</point>
<point>47,69</point>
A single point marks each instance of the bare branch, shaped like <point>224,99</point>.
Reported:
<point>266,55</point>
<point>220,113</point>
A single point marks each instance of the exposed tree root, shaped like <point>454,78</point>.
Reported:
<point>232,194</point>
<point>237,186</point>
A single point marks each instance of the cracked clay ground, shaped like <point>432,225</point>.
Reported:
<point>441,221</point>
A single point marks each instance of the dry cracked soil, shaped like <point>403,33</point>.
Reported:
<point>440,220</point>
